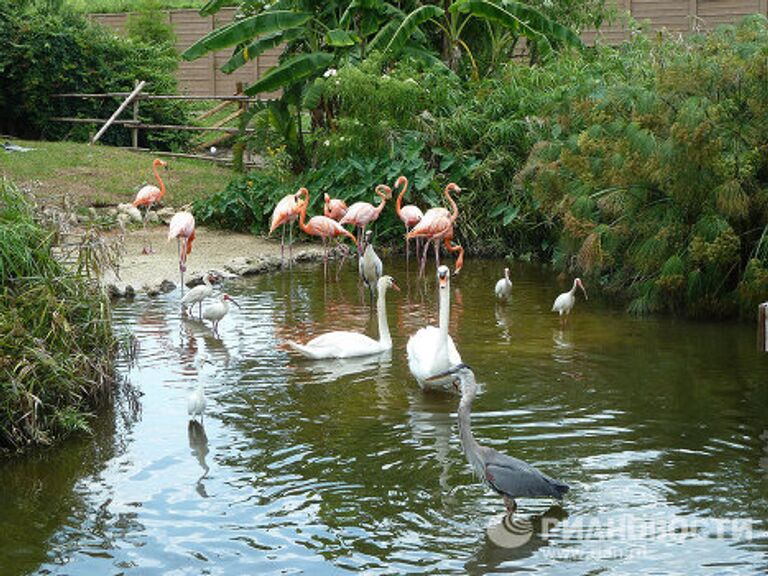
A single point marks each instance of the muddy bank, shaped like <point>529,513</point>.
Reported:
<point>229,253</point>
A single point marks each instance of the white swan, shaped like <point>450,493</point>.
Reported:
<point>344,344</point>
<point>431,350</point>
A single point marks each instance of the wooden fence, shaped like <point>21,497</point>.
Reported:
<point>203,77</point>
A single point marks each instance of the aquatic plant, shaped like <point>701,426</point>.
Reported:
<point>56,341</point>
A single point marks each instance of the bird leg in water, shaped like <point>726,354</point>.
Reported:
<point>290,245</point>
<point>423,263</point>
<point>282,247</point>
<point>147,240</point>
<point>510,504</point>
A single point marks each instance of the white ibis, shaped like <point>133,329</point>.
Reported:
<point>215,312</point>
<point>504,286</point>
<point>566,301</point>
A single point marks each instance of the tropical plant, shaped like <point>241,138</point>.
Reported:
<point>659,179</point>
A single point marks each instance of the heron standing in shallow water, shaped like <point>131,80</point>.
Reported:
<point>510,477</point>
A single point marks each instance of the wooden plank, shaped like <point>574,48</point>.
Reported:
<point>229,118</point>
<point>89,120</point>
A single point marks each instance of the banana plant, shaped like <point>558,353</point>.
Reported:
<point>317,36</point>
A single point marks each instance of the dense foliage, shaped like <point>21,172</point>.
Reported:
<point>641,166</point>
<point>658,181</point>
<point>46,52</point>
<point>56,342</point>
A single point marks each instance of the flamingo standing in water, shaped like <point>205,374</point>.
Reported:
<point>410,214</point>
<point>360,214</point>
<point>565,302</point>
<point>147,196</point>
<point>334,208</point>
<point>437,225</point>
<point>182,227</point>
<point>321,226</point>
<point>287,210</point>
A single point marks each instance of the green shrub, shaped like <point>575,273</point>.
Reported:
<point>659,178</point>
<point>47,52</point>
<point>56,342</point>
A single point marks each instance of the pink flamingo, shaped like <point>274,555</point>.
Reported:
<point>287,210</point>
<point>147,196</point>
<point>182,227</point>
<point>360,214</point>
<point>334,208</point>
<point>437,225</point>
<point>410,214</point>
<point>321,226</point>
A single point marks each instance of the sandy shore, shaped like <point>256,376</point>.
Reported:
<point>229,252</point>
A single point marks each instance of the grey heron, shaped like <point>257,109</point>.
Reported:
<point>508,476</point>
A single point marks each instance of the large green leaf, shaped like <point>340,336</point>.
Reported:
<point>340,38</point>
<point>293,70</point>
<point>409,25</point>
<point>244,30</point>
<point>520,19</point>
<point>265,43</point>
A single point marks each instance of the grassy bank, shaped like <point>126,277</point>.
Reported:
<point>102,175</point>
<point>56,341</point>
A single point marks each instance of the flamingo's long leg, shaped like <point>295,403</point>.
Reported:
<point>424,259</point>
<point>290,245</point>
<point>282,247</point>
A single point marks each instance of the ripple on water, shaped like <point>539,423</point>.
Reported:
<point>328,467</point>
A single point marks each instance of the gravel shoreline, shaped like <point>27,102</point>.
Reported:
<point>229,253</point>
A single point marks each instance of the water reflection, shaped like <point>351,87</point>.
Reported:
<point>198,443</point>
<point>331,467</point>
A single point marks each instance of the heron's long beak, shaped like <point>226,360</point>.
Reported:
<point>451,370</point>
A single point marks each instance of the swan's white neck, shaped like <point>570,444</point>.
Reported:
<point>444,320</point>
<point>385,340</point>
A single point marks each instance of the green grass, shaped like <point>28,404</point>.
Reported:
<point>56,342</point>
<point>103,175</point>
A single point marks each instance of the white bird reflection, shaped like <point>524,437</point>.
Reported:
<point>198,443</point>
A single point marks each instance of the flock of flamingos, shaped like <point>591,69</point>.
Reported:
<point>433,359</point>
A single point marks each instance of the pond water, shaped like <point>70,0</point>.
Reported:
<point>659,426</point>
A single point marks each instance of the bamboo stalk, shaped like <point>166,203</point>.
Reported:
<point>119,110</point>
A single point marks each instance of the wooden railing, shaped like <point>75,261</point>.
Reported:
<point>134,124</point>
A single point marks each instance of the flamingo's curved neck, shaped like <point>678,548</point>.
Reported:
<point>159,181</point>
<point>454,207</point>
<point>399,202</point>
<point>385,339</point>
<point>380,207</point>
<point>207,280</point>
<point>468,442</point>
<point>303,212</point>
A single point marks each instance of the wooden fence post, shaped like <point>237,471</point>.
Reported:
<point>134,129</point>
<point>762,327</point>
<point>119,110</point>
